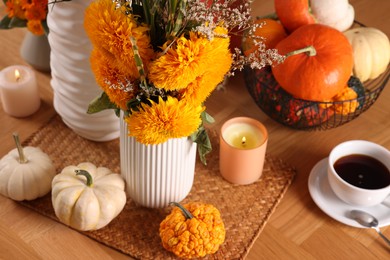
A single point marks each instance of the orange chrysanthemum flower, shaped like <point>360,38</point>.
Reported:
<point>35,26</point>
<point>219,55</point>
<point>112,30</point>
<point>37,10</point>
<point>161,121</point>
<point>182,63</point>
<point>110,78</point>
<point>33,11</point>
<point>15,8</point>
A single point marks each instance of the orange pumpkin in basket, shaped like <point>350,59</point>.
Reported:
<point>293,13</point>
<point>272,32</point>
<point>321,67</point>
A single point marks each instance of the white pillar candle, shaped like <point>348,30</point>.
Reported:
<point>19,91</point>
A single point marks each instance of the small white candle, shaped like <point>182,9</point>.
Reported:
<point>19,91</point>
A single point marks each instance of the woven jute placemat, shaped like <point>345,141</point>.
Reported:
<point>245,209</point>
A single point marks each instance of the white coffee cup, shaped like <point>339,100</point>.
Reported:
<point>353,194</point>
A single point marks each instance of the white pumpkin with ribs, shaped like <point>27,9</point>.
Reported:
<point>371,52</point>
<point>86,197</point>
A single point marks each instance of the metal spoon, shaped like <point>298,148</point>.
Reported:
<point>367,220</point>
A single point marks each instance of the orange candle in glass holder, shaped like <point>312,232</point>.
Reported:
<point>243,143</point>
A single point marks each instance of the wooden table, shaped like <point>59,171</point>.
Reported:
<point>298,229</point>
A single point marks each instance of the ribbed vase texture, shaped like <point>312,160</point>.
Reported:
<point>73,82</point>
<point>156,175</point>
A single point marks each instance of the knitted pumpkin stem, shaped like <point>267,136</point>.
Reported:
<point>309,50</point>
<point>186,213</point>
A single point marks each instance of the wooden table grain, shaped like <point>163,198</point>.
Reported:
<point>298,229</point>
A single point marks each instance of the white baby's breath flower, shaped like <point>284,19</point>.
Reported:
<point>235,16</point>
<point>126,86</point>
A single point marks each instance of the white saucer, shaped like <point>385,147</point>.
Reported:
<point>328,202</point>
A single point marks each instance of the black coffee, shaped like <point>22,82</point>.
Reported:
<point>363,171</point>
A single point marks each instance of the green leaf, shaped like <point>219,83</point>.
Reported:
<point>45,27</point>
<point>144,9</point>
<point>176,13</point>
<point>207,118</point>
<point>204,145</point>
<point>133,104</point>
<point>5,22</point>
<point>100,103</point>
<point>17,22</point>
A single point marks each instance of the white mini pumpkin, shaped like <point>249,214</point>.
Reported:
<point>86,197</point>
<point>26,180</point>
<point>371,51</point>
<point>338,14</point>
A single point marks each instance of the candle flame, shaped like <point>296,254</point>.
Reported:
<point>243,141</point>
<point>17,75</point>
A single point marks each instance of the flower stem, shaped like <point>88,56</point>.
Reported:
<point>272,16</point>
<point>309,50</point>
<point>22,157</point>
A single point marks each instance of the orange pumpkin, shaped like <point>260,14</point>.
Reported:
<point>318,77</point>
<point>272,32</point>
<point>293,13</point>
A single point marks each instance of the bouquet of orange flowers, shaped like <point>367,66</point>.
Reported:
<point>158,61</point>
<point>26,13</point>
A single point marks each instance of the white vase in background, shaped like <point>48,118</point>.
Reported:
<point>73,82</point>
<point>35,50</point>
<point>156,175</point>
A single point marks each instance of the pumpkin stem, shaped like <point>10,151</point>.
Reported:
<point>22,157</point>
<point>87,175</point>
<point>272,16</point>
<point>185,211</point>
<point>309,50</point>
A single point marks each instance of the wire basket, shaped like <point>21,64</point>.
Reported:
<point>310,115</point>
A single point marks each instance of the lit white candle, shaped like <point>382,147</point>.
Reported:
<point>19,91</point>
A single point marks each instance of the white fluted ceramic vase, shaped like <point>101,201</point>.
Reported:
<point>73,82</point>
<point>35,50</point>
<point>156,175</point>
